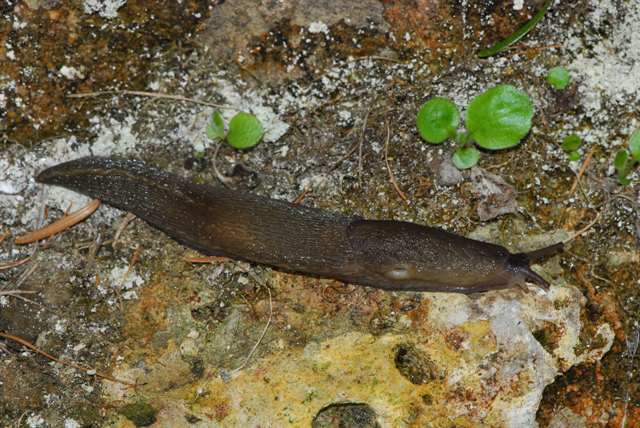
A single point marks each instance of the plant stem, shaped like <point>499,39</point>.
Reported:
<point>462,138</point>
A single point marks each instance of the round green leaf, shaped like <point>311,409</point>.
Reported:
<point>500,117</point>
<point>245,131</point>
<point>558,77</point>
<point>437,120</point>
<point>571,143</point>
<point>622,179</point>
<point>574,156</point>
<point>621,165</point>
<point>215,128</point>
<point>634,144</point>
<point>620,160</point>
<point>466,157</point>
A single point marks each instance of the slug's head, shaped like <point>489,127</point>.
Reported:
<point>519,265</point>
<point>407,256</point>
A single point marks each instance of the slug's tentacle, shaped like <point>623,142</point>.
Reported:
<point>520,265</point>
<point>536,255</point>
<point>386,254</point>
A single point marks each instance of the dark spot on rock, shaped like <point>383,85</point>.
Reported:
<point>427,399</point>
<point>211,312</point>
<point>197,163</point>
<point>192,419</point>
<point>564,100</point>
<point>548,336</point>
<point>345,415</point>
<point>245,176</point>
<point>415,365</point>
<point>197,367</point>
<point>140,413</point>
<point>382,321</point>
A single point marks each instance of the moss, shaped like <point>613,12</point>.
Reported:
<point>140,413</point>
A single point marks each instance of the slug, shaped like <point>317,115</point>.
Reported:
<point>217,221</point>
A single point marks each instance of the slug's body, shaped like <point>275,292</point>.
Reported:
<point>392,255</point>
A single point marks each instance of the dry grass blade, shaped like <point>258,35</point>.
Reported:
<point>18,294</point>
<point>264,331</point>
<point>159,95</point>
<point>392,177</point>
<point>15,263</point>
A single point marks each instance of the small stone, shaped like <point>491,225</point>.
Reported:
<point>448,174</point>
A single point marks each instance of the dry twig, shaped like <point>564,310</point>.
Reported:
<point>26,274</point>
<point>223,179</point>
<point>14,263</point>
<point>581,171</point>
<point>584,229</point>
<point>4,236</point>
<point>361,143</point>
<point>392,177</point>
<point>81,367</point>
<point>121,227</point>
<point>18,295</point>
<point>59,225</point>
<point>206,259</point>
<point>264,331</point>
<point>15,292</point>
<point>354,146</point>
<point>300,198</point>
<point>159,95</point>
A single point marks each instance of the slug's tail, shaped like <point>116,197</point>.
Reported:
<point>168,202</point>
<point>519,264</point>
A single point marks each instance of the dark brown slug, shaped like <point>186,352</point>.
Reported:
<point>392,255</point>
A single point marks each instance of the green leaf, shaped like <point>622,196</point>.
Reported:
<point>466,157</point>
<point>622,179</point>
<point>500,117</point>
<point>245,131</point>
<point>620,161</point>
<point>634,144</point>
<point>574,156</point>
<point>215,128</point>
<point>558,77</point>
<point>571,143</point>
<point>516,35</point>
<point>437,120</point>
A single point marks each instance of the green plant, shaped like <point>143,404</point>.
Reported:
<point>626,160</point>
<point>570,144</point>
<point>443,117</point>
<point>245,130</point>
<point>496,119</point>
<point>558,77</point>
<point>215,128</point>
<point>516,35</point>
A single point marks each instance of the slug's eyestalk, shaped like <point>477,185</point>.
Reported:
<point>519,264</point>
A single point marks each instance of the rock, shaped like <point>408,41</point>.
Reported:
<point>565,418</point>
<point>496,196</point>
<point>475,360</point>
<point>448,174</point>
